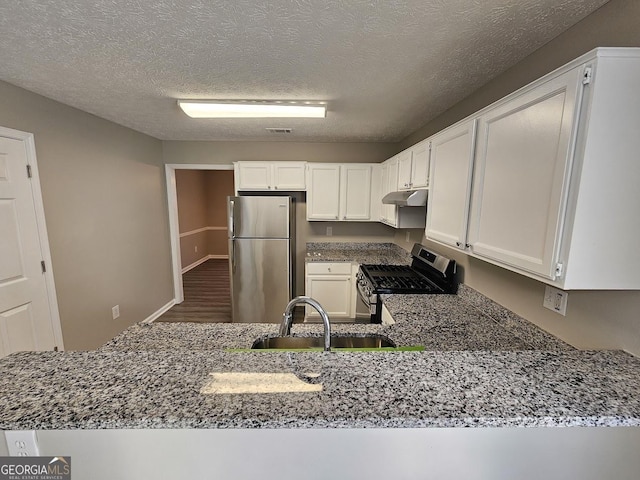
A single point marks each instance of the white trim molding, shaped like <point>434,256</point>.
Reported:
<point>45,251</point>
<point>202,260</point>
<point>203,229</point>
<point>155,315</point>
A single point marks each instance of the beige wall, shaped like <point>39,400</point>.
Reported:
<point>595,319</point>
<point>202,197</point>
<point>219,186</point>
<point>105,206</point>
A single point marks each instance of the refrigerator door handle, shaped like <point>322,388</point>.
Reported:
<point>233,256</point>
<point>231,219</point>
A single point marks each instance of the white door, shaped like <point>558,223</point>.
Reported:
<point>289,176</point>
<point>333,292</point>
<point>323,191</point>
<point>420,165</point>
<point>522,171</point>
<point>356,192</point>
<point>25,314</point>
<point>253,176</point>
<point>450,191</point>
<point>404,170</point>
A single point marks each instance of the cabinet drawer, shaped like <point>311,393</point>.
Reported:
<point>328,268</point>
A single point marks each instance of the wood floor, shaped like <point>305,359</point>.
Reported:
<point>206,295</point>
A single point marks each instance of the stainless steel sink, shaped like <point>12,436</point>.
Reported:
<point>339,341</point>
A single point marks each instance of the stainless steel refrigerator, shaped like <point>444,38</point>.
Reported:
<point>261,257</point>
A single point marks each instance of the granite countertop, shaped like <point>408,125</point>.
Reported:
<point>380,253</point>
<point>483,367</point>
<point>163,389</point>
<point>467,321</point>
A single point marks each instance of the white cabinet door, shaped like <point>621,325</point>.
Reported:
<point>253,176</point>
<point>323,191</point>
<point>289,175</point>
<point>420,165</point>
<point>355,192</point>
<point>404,170</point>
<point>333,292</point>
<point>521,176</point>
<point>390,184</point>
<point>449,195</point>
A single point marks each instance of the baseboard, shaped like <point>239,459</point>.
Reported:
<point>201,261</point>
<point>155,315</point>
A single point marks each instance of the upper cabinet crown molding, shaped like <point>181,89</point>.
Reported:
<point>555,174</point>
<point>269,176</point>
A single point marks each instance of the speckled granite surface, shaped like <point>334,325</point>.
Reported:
<point>381,253</point>
<point>161,389</point>
<point>484,367</point>
<point>438,322</point>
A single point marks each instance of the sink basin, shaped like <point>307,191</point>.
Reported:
<point>340,341</point>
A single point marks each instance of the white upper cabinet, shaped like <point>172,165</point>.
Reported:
<point>555,177</point>
<point>449,194</point>
<point>339,192</point>
<point>257,176</point>
<point>521,178</point>
<point>323,191</point>
<point>289,175</point>
<point>355,195</point>
<point>404,170</point>
<point>252,175</point>
<point>389,182</point>
<point>413,167</point>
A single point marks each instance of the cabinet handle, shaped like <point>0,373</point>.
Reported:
<point>275,188</point>
<point>458,244</point>
<point>467,245</point>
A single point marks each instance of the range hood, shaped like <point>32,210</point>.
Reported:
<point>411,198</point>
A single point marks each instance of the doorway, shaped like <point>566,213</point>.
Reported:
<point>190,239</point>
<point>29,318</point>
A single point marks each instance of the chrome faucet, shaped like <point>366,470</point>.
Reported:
<point>287,319</point>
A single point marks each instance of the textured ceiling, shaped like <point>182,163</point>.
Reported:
<point>385,67</point>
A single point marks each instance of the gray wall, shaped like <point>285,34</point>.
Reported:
<point>595,319</point>
<point>105,206</point>
<point>229,152</point>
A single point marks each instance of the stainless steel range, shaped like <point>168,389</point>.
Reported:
<point>429,273</point>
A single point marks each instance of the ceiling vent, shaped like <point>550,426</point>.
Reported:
<point>279,130</point>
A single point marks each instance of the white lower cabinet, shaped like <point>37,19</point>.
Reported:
<point>332,285</point>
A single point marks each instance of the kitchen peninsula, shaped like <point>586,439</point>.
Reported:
<point>483,366</point>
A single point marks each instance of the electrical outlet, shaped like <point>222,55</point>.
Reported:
<point>556,300</point>
<point>115,312</point>
<point>22,443</point>
<point>407,236</point>
<point>329,231</point>
<point>196,247</point>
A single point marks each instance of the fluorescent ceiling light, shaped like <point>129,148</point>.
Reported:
<point>252,109</point>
